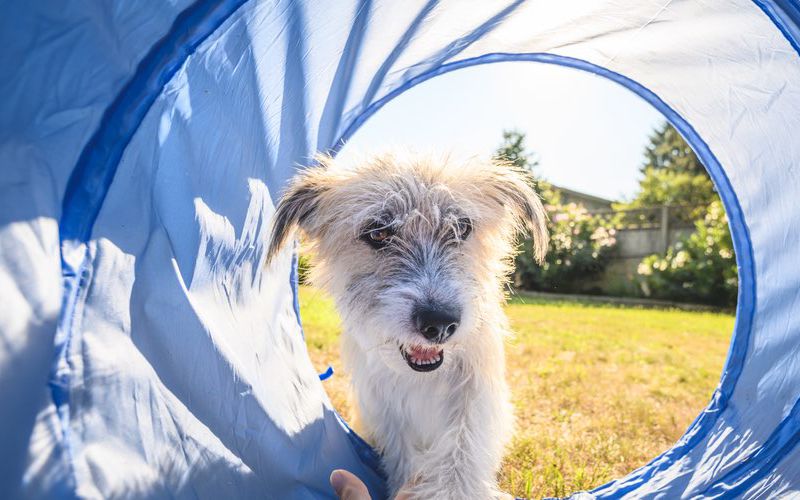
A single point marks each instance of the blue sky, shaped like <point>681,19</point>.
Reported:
<point>589,133</point>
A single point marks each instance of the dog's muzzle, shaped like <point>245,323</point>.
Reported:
<point>436,325</point>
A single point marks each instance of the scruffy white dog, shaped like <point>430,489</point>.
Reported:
<point>416,254</point>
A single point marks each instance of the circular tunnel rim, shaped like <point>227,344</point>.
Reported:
<point>740,233</point>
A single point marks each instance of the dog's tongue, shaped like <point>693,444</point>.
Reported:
<point>423,353</point>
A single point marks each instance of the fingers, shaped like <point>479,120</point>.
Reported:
<point>404,493</point>
<point>348,487</point>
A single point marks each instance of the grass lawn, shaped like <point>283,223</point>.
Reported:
<point>599,390</point>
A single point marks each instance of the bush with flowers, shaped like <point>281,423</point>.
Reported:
<point>699,268</point>
<point>580,247</point>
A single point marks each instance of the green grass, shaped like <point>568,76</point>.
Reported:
<point>598,389</point>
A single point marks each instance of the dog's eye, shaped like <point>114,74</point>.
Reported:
<point>377,235</point>
<point>464,228</point>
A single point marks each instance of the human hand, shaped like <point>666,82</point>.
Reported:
<point>348,487</point>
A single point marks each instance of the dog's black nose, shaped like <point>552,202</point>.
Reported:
<point>436,324</point>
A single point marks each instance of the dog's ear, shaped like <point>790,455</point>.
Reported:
<point>513,188</point>
<point>296,206</point>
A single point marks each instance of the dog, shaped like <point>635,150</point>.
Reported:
<point>416,253</point>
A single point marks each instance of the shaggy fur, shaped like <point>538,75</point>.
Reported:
<point>452,229</point>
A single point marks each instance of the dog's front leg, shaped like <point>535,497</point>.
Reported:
<point>463,462</point>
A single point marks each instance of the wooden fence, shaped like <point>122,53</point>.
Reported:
<point>644,231</point>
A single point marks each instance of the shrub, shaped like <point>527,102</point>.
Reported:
<point>699,268</point>
<point>580,247</point>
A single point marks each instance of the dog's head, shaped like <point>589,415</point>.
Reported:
<point>411,250</point>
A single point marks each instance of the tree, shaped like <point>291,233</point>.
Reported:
<point>668,150</point>
<point>513,150</point>
<point>580,245</point>
<point>673,175</point>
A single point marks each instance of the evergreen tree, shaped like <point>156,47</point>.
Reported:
<point>673,175</point>
<point>668,150</point>
<point>514,151</point>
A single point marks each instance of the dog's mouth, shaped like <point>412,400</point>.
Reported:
<point>423,358</point>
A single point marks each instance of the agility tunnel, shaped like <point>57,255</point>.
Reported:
<point>146,351</point>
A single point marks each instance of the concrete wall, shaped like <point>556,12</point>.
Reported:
<point>639,232</point>
<point>620,276</point>
<point>639,243</point>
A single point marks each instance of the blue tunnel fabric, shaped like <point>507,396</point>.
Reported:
<point>146,348</point>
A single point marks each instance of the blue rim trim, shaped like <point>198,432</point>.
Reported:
<point>92,176</point>
<point>91,179</point>
<point>758,464</point>
<point>785,15</point>
<point>326,374</point>
<point>739,231</point>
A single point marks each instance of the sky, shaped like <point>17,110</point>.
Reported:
<point>588,133</point>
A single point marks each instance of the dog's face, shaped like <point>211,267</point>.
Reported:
<point>411,250</point>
